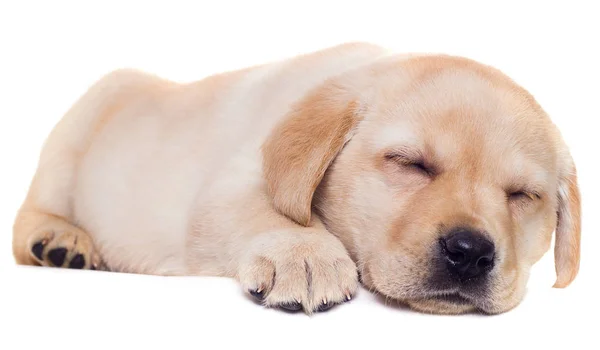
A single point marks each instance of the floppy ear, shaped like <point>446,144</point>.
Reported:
<point>300,149</point>
<point>568,229</point>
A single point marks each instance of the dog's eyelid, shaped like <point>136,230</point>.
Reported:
<point>405,153</point>
<point>412,159</point>
<point>529,193</point>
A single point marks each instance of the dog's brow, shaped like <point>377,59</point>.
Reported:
<point>527,184</point>
<point>396,134</point>
<point>528,169</point>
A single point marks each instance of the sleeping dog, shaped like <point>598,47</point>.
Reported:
<point>436,179</point>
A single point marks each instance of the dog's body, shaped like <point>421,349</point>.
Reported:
<point>217,177</point>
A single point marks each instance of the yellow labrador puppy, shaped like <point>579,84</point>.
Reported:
<point>436,179</point>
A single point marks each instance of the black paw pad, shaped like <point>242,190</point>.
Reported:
<point>325,307</point>
<point>57,256</point>
<point>38,250</point>
<point>78,262</point>
<point>292,307</point>
<point>260,296</point>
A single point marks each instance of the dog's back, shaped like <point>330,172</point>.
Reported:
<point>143,163</point>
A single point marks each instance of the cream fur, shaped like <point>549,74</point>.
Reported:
<point>148,176</point>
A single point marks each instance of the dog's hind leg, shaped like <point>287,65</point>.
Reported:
<point>48,240</point>
<point>46,231</point>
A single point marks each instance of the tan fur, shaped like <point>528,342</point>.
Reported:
<point>568,232</point>
<point>301,148</point>
<point>278,175</point>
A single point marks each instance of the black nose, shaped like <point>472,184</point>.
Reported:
<point>469,254</point>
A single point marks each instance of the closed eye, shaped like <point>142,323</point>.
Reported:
<point>416,164</point>
<point>522,194</point>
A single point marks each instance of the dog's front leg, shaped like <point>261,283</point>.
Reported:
<point>279,262</point>
<point>298,268</point>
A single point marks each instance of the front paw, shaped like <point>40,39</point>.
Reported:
<point>308,271</point>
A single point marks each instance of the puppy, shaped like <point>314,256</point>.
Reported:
<point>436,179</point>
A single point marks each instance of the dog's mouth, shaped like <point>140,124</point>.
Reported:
<point>447,303</point>
<point>454,298</point>
<point>448,300</point>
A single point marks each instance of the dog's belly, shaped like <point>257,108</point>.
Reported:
<point>138,183</point>
<point>134,190</point>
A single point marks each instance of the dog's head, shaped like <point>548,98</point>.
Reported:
<point>442,177</point>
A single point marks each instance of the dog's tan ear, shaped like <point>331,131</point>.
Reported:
<point>568,230</point>
<point>301,148</point>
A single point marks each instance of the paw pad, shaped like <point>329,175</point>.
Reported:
<point>78,262</point>
<point>37,250</point>
<point>73,250</point>
<point>291,306</point>
<point>57,256</point>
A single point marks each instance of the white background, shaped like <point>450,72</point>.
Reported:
<point>51,51</point>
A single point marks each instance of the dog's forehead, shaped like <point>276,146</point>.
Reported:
<point>460,113</point>
<point>464,122</point>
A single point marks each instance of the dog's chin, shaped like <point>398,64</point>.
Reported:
<point>442,305</point>
<point>432,301</point>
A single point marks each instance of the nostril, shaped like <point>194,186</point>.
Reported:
<point>484,262</point>
<point>467,253</point>
<point>456,258</point>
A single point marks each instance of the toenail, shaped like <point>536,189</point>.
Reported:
<point>325,306</point>
<point>258,294</point>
